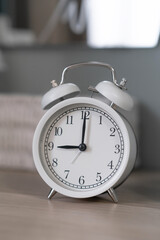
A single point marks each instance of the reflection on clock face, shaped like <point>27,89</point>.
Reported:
<point>81,147</point>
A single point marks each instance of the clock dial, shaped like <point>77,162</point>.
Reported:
<point>81,147</point>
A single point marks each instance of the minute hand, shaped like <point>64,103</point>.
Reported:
<point>83,128</point>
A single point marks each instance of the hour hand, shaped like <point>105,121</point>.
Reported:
<point>68,146</point>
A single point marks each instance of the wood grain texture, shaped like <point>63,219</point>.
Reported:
<point>25,212</point>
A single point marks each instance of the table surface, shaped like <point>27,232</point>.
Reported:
<point>26,213</point>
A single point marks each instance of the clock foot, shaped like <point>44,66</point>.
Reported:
<point>51,193</point>
<point>113,195</point>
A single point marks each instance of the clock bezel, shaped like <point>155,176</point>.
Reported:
<point>72,192</point>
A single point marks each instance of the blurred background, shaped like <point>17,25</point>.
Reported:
<point>38,39</point>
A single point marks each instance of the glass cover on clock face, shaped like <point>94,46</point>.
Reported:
<point>81,147</point>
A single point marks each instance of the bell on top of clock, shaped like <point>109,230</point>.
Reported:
<point>59,93</point>
<point>115,94</point>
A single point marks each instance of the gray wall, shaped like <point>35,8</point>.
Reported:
<point>31,69</point>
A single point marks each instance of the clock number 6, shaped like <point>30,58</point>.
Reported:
<point>81,180</point>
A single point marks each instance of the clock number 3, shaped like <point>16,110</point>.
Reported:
<point>117,148</point>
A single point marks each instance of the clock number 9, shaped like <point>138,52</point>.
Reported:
<point>50,146</point>
<point>81,180</point>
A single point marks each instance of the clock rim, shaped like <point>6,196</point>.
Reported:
<point>68,191</point>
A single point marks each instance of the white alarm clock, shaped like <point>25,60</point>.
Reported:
<point>82,146</point>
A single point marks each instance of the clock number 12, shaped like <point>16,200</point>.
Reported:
<point>86,113</point>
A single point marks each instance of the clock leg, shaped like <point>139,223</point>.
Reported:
<point>51,193</point>
<point>113,195</point>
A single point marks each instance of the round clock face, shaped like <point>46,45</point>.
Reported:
<point>80,147</point>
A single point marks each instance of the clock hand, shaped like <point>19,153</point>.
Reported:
<point>82,147</point>
<point>75,158</point>
<point>68,147</point>
<point>83,128</point>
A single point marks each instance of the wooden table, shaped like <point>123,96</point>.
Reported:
<point>25,212</point>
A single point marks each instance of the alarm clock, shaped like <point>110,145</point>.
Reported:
<point>83,146</point>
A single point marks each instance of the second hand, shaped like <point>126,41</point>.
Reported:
<point>75,158</point>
